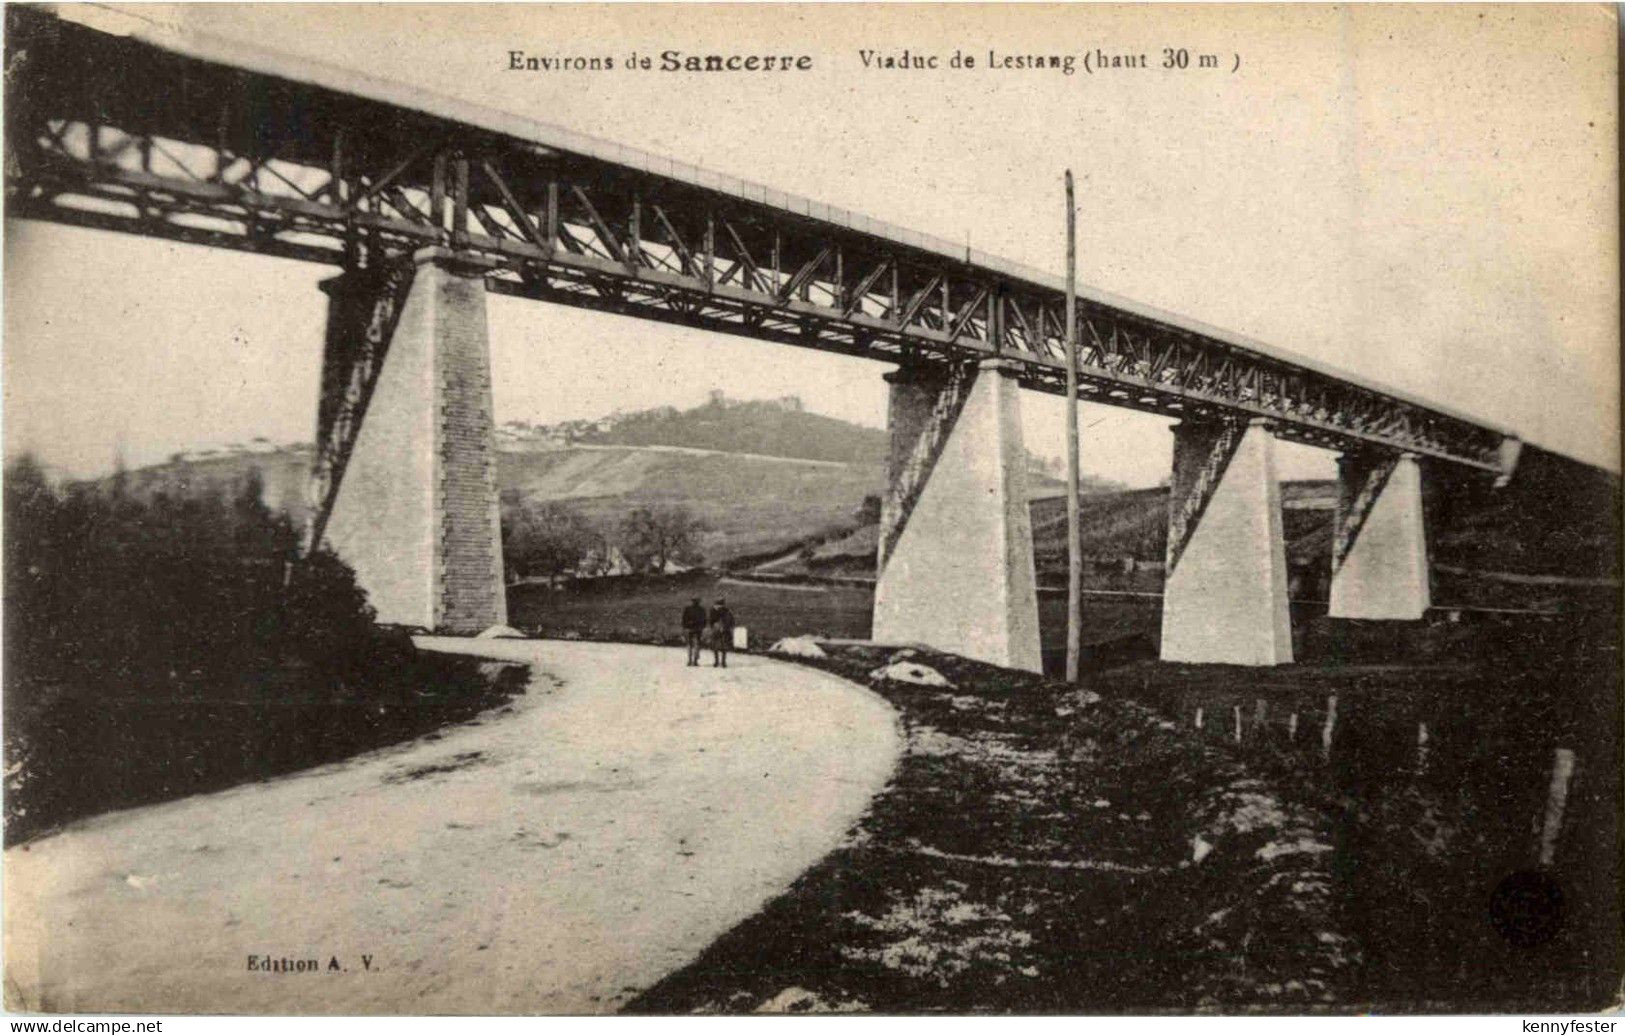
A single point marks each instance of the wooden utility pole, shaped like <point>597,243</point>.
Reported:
<point>1074,535</point>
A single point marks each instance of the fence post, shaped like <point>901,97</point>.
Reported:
<point>1238,724</point>
<point>1421,746</point>
<point>1198,718</point>
<point>1292,727</point>
<point>1327,730</point>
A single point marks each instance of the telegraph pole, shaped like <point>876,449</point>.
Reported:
<point>1074,536</point>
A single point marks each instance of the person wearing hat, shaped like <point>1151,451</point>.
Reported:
<point>720,629</point>
<point>693,629</point>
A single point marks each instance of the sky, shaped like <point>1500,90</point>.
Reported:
<point>1421,196</point>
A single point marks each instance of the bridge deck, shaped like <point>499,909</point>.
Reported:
<point>120,122</point>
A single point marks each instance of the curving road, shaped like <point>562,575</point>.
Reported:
<point>558,858</point>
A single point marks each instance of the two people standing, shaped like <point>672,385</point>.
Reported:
<point>714,629</point>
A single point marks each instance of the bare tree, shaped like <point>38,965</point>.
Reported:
<point>655,536</point>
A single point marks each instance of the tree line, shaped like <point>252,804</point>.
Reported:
<point>159,646</point>
<point>548,539</point>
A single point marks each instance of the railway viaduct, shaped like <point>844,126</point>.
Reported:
<point>424,205</point>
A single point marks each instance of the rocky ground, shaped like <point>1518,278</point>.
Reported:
<point>1041,849</point>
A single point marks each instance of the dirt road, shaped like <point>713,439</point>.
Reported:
<point>557,858</point>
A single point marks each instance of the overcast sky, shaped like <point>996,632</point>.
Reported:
<point>1424,196</point>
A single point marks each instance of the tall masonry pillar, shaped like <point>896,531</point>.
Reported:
<point>1379,549</point>
<point>956,542</point>
<point>416,510</point>
<point>1225,598</point>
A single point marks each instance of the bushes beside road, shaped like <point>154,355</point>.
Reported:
<point>158,648</point>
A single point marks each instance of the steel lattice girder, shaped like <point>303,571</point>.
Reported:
<point>113,132</point>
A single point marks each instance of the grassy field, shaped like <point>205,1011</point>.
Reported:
<point>646,610</point>
<point>1118,628</point>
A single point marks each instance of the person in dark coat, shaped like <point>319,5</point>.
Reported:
<point>720,630</point>
<point>693,629</point>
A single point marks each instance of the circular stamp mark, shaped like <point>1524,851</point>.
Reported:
<point>1526,908</point>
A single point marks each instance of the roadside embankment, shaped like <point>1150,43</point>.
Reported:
<point>1041,849</point>
<point>1474,791</point>
<point>75,749</point>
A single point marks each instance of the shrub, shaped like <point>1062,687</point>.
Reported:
<point>158,647</point>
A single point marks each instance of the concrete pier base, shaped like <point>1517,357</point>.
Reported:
<point>956,549</point>
<point>1380,552</point>
<point>416,512</point>
<point>1225,600</point>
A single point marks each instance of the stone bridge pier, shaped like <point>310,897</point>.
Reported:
<point>405,473</point>
<point>956,544</point>
<point>1225,598</point>
<point>1379,546</point>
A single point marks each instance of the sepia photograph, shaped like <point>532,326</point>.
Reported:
<point>832,508</point>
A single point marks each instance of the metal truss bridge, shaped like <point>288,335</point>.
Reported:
<point>117,123</point>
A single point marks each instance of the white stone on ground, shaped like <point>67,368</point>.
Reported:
<point>798,647</point>
<point>911,672</point>
<point>796,999</point>
<point>1199,848</point>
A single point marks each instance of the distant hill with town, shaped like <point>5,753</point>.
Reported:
<point>762,475</point>
<point>767,427</point>
<point>781,489</point>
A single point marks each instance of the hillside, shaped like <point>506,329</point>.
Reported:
<point>777,427</point>
<point>766,477</point>
<point>763,475</point>
<point>749,503</point>
<point>284,472</point>
<point>1135,524</point>
<point>1549,539</point>
<point>760,427</point>
<point>1125,535</point>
